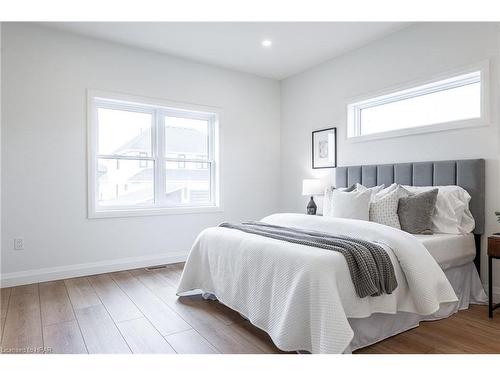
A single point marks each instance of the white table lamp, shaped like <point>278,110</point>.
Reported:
<point>312,187</point>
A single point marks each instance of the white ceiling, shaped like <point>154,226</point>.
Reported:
<point>237,45</point>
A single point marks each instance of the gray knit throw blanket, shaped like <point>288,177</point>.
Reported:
<point>370,266</point>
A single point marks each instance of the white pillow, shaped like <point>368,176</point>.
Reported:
<point>374,190</point>
<point>327,199</point>
<point>452,214</point>
<point>350,205</point>
<point>384,210</point>
<point>386,190</point>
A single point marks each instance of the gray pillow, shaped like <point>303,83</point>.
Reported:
<point>349,189</point>
<point>415,212</point>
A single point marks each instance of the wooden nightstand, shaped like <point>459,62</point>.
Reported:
<point>493,253</point>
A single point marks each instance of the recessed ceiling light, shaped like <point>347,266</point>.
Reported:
<point>266,43</point>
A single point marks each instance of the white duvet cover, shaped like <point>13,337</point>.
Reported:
<point>302,296</point>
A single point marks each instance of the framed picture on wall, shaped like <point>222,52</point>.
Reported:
<point>324,148</point>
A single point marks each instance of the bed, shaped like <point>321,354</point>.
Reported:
<point>305,300</point>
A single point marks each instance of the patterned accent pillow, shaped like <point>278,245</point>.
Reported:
<point>385,209</point>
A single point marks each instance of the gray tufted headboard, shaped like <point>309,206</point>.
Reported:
<point>469,174</point>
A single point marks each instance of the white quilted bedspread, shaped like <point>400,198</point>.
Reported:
<point>302,296</point>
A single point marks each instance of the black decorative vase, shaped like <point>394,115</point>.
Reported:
<point>311,207</point>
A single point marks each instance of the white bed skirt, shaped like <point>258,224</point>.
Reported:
<point>467,285</point>
<point>368,331</point>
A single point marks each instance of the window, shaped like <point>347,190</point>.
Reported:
<point>454,102</point>
<point>151,158</point>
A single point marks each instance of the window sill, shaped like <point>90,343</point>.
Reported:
<point>152,212</point>
<point>447,126</point>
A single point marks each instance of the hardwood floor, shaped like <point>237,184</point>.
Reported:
<point>137,311</point>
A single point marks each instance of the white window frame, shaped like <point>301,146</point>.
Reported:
<point>415,89</point>
<point>99,99</point>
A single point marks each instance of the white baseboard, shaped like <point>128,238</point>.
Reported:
<point>86,269</point>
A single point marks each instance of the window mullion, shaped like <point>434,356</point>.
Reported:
<point>124,157</point>
<point>160,164</point>
<point>156,178</point>
<point>186,160</point>
<point>211,156</point>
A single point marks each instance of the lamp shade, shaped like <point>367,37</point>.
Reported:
<point>312,187</point>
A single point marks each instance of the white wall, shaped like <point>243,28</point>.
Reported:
<point>43,144</point>
<point>316,99</point>
<point>45,77</point>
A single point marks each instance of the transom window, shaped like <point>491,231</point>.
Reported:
<point>454,102</point>
<point>147,158</point>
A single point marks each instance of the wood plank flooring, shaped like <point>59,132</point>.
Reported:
<point>137,311</point>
